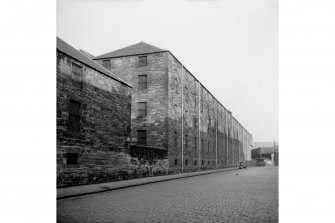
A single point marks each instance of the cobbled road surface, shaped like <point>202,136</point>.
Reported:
<point>247,195</point>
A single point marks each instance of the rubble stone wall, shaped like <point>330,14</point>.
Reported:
<point>98,166</point>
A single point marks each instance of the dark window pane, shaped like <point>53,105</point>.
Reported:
<point>72,158</point>
<point>74,107</point>
<point>143,60</point>
<point>142,82</point>
<point>106,64</point>
<point>142,109</point>
<point>74,123</point>
<point>74,116</point>
<point>142,137</point>
<point>175,162</point>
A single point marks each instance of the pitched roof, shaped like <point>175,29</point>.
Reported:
<point>86,53</point>
<point>72,52</point>
<point>138,48</point>
<point>264,144</point>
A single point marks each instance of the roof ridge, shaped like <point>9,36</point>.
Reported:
<point>134,49</point>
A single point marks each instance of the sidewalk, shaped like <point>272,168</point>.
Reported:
<point>76,191</point>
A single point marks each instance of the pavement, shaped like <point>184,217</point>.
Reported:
<point>76,191</point>
<point>245,196</point>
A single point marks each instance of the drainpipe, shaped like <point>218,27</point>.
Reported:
<point>199,140</point>
<point>233,141</point>
<point>227,131</point>
<point>182,119</point>
<point>216,137</point>
<point>238,145</point>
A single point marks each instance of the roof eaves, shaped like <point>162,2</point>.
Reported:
<point>136,54</point>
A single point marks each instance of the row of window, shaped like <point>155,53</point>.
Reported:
<point>142,61</point>
<point>195,162</point>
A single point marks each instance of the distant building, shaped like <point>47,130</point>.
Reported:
<point>173,115</point>
<point>266,150</point>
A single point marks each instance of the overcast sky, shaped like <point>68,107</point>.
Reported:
<point>228,45</point>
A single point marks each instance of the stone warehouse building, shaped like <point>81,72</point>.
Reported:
<point>93,114</point>
<point>173,114</point>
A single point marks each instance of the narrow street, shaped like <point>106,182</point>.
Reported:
<point>247,195</point>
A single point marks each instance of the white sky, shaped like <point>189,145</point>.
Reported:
<point>228,45</point>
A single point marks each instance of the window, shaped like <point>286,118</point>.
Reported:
<point>195,162</point>
<point>186,162</point>
<point>106,64</point>
<point>77,69</point>
<point>74,116</point>
<point>142,137</point>
<point>143,61</point>
<point>71,158</point>
<point>142,109</point>
<point>213,146</point>
<point>202,162</point>
<point>175,139</point>
<point>208,162</point>
<point>208,146</point>
<point>142,82</point>
<point>175,162</point>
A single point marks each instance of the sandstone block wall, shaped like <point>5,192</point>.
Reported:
<point>104,110</point>
<point>202,133</point>
<point>155,123</point>
<point>183,116</point>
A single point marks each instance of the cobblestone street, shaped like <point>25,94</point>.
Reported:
<point>247,195</point>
